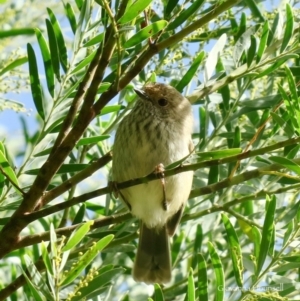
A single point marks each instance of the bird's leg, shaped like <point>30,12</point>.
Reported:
<point>116,192</point>
<point>159,170</point>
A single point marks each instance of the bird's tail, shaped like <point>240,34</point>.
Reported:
<point>153,259</point>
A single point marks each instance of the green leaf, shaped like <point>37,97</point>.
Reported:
<point>267,234</point>
<point>263,42</point>
<point>16,63</point>
<point>92,140</point>
<point>104,277</point>
<point>202,279</point>
<point>65,168</point>
<point>273,29</point>
<point>158,294</point>
<point>213,57</point>
<point>287,163</point>
<point>47,61</point>
<point>251,51</point>
<point>46,258</point>
<point>185,14</point>
<point>80,214</point>
<point>71,16</point>
<point>197,245</point>
<point>289,28</point>
<point>35,292</point>
<point>292,88</point>
<point>145,33</point>
<point>203,124</point>
<point>110,109</point>
<point>170,6</point>
<point>213,175</point>
<point>77,235</point>
<point>191,286</point>
<point>277,64</point>
<point>53,49</point>
<point>84,62</point>
<point>36,88</point>
<point>234,250</point>
<point>7,169</point>
<point>286,127</point>
<point>134,10</point>
<point>60,40</point>
<point>16,32</point>
<point>219,273</point>
<point>242,27</point>
<point>85,259</point>
<point>243,43</point>
<point>256,11</point>
<point>212,155</point>
<point>85,14</point>
<point>188,76</point>
<point>37,281</point>
<point>288,233</point>
<point>95,40</point>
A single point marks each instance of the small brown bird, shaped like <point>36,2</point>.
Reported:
<point>157,131</point>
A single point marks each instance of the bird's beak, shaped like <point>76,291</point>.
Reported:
<point>142,94</point>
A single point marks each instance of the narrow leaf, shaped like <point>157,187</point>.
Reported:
<point>219,273</point>
<point>185,14</point>
<point>289,28</point>
<point>92,140</point>
<point>7,169</point>
<point>287,163</point>
<point>251,51</point>
<point>158,294</point>
<point>71,16</point>
<point>145,33</point>
<point>267,234</point>
<point>53,49</point>
<point>277,64</point>
<point>65,168</point>
<point>263,42</point>
<point>105,276</point>
<point>80,215</point>
<point>188,76</point>
<point>35,292</point>
<point>170,6</point>
<point>134,10</point>
<point>47,61</point>
<point>213,57</point>
<point>95,40</point>
<point>36,88</point>
<point>78,235</point>
<point>202,279</point>
<point>46,258</point>
<point>84,62</point>
<point>292,88</point>
<point>16,63</point>
<point>191,286</point>
<point>60,40</point>
<point>234,250</point>
<point>217,154</point>
<point>85,259</point>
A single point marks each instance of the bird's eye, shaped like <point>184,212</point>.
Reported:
<point>162,102</point>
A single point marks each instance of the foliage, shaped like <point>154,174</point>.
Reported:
<point>238,64</point>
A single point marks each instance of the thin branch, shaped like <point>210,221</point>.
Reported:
<point>79,177</point>
<point>170,172</point>
<point>214,13</point>
<point>66,231</point>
